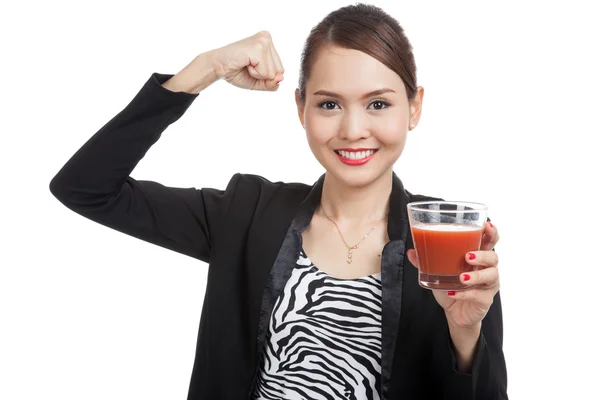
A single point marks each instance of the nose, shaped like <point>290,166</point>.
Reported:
<point>354,125</point>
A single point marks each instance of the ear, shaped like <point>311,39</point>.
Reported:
<point>416,106</point>
<point>300,106</point>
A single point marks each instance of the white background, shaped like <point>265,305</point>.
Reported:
<point>509,119</point>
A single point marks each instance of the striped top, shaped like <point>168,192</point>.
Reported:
<point>324,338</point>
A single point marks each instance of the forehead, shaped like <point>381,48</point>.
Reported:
<point>349,71</point>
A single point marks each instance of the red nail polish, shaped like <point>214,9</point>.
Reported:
<point>466,277</point>
<point>451,293</point>
<point>471,256</point>
<point>489,222</point>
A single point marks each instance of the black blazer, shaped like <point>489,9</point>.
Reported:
<point>250,234</point>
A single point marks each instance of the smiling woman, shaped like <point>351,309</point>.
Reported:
<point>274,325</point>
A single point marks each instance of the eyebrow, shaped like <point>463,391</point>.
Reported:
<point>364,96</point>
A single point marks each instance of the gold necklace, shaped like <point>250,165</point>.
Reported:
<point>351,248</point>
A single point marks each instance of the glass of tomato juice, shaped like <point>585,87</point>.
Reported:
<point>443,233</point>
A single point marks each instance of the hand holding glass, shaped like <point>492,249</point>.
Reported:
<point>443,233</point>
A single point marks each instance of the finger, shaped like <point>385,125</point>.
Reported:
<point>253,72</point>
<point>272,84</point>
<point>441,296</point>
<point>481,258</point>
<point>412,257</point>
<point>490,236</point>
<point>266,67</point>
<point>488,277</point>
<point>269,63</point>
<point>483,298</point>
<point>263,84</point>
<point>261,59</point>
<point>261,71</point>
<point>277,60</point>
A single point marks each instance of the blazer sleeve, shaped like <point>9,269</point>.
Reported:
<point>96,181</point>
<point>488,378</point>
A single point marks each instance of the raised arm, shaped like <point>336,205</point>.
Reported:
<point>96,181</point>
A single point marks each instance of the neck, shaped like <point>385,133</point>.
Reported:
<point>356,205</point>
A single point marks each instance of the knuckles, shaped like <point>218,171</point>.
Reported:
<point>493,261</point>
<point>487,258</point>
<point>264,39</point>
<point>264,34</point>
<point>488,277</point>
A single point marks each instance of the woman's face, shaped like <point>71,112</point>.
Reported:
<point>356,115</point>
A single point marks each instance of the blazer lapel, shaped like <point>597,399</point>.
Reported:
<point>392,276</point>
<point>286,258</point>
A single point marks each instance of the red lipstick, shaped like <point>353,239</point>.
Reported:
<point>354,162</point>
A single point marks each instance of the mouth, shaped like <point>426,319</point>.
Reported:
<point>355,156</point>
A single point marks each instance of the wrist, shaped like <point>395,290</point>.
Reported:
<point>466,331</point>
<point>195,77</point>
<point>464,344</point>
<point>215,61</point>
<point>203,71</point>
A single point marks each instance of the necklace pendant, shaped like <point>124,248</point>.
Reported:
<point>349,260</point>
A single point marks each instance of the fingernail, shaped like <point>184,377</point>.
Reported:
<point>490,224</point>
<point>471,256</point>
<point>451,293</point>
<point>466,277</point>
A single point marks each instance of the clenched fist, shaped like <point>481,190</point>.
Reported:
<point>250,63</point>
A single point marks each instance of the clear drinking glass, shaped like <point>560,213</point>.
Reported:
<point>443,233</point>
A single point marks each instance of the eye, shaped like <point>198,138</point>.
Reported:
<point>328,105</point>
<point>379,104</point>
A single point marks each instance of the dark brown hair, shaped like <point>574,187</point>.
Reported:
<point>365,28</point>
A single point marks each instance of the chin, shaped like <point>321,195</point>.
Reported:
<point>358,177</point>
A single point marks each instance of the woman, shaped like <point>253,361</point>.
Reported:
<point>309,291</point>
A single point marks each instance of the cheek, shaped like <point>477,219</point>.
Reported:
<point>320,129</point>
<point>392,137</point>
<point>391,131</point>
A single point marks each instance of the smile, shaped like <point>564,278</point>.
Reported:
<point>355,156</point>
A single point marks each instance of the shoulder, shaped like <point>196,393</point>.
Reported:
<point>260,183</point>
<point>256,191</point>
<point>253,199</point>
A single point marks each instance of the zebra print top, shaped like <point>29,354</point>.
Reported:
<point>324,338</point>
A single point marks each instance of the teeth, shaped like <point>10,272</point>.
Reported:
<point>356,155</point>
